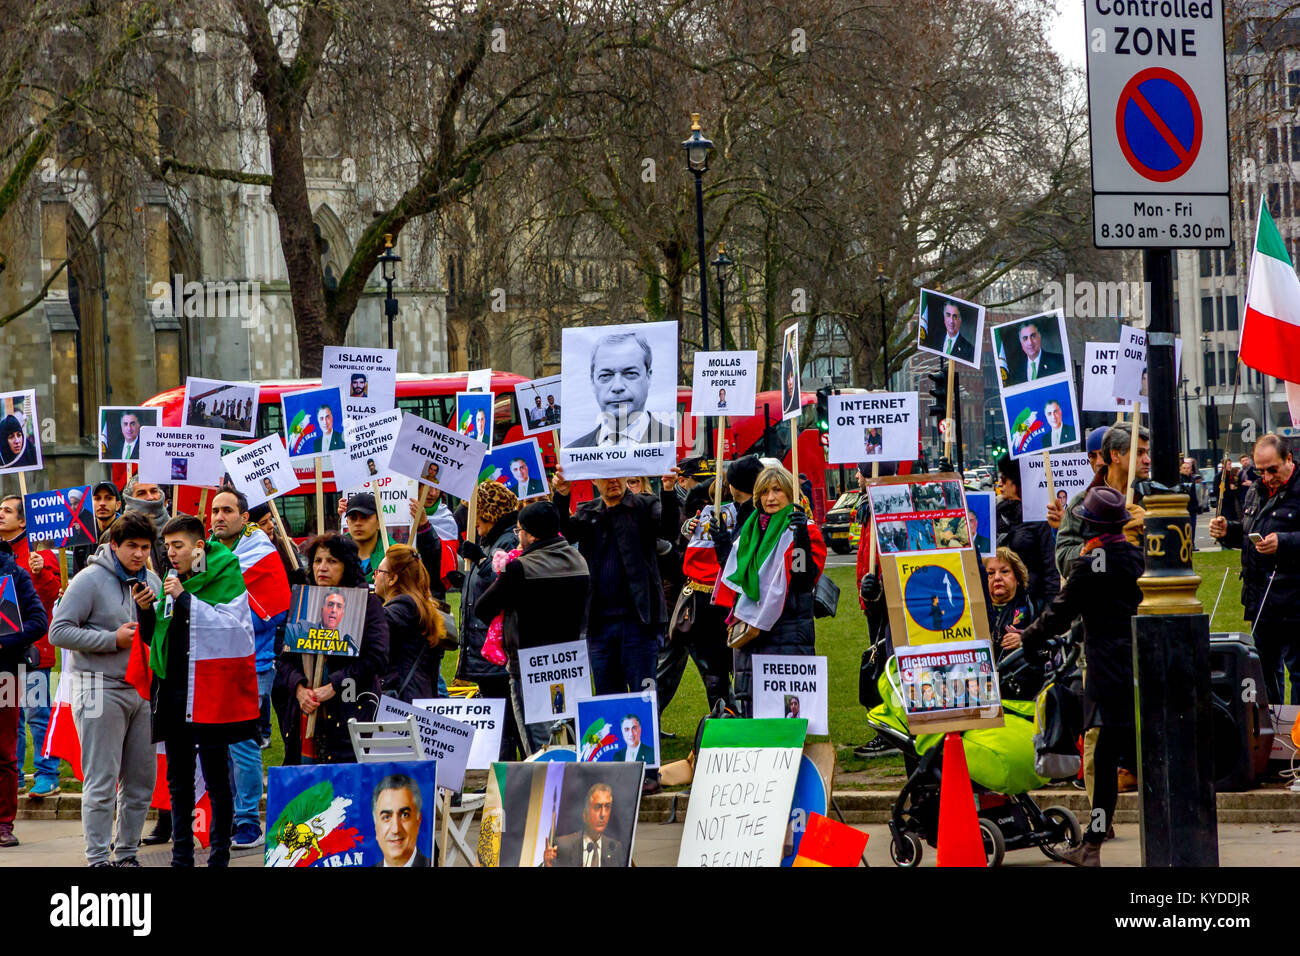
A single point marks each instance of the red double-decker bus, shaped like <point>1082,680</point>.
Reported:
<point>433,397</point>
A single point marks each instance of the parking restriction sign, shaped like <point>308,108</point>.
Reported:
<point>1157,105</point>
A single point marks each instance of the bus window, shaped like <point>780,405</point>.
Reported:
<point>299,513</point>
<point>432,408</point>
<point>504,414</point>
<point>268,420</point>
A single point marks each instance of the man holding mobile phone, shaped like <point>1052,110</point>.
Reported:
<point>1268,535</point>
<point>96,620</point>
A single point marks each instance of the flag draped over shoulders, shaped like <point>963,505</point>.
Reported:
<point>221,683</point>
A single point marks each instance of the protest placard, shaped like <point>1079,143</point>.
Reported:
<point>980,506</point>
<point>119,431</point>
<point>537,814</point>
<point>1099,379</point>
<point>326,620</point>
<point>724,383</point>
<point>787,685</point>
<point>367,379</point>
<point>790,374</point>
<point>1036,383</point>
<point>262,470</point>
<point>479,380</point>
<point>229,406</point>
<point>393,494</point>
<point>1071,474</point>
<point>554,678</point>
<point>442,739</point>
<point>539,404</point>
<point>437,456</point>
<point>740,798</point>
<point>877,426</point>
<point>934,597</point>
<point>620,400</point>
<point>487,715</point>
<point>474,416</point>
<point>60,519</point>
<point>11,619</point>
<point>351,814</point>
<point>918,512</point>
<point>1130,384</point>
<point>619,728</point>
<point>181,455</point>
<point>20,436</point>
<point>518,466</point>
<point>369,446</point>
<point>950,327</point>
<point>952,681</point>
<point>313,421</point>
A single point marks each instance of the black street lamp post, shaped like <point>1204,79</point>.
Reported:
<point>722,265</point>
<point>697,161</point>
<point>389,261</point>
<point>884,329</point>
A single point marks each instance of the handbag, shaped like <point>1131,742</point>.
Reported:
<point>826,597</point>
<point>741,633</point>
<point>450,639</point>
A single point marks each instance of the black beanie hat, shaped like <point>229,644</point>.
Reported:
<point>743,472</point>
<point>540,519</point>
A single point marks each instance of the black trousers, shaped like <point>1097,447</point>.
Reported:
<point>498,686</point>
<point>182,747</point>
<point>1116,747</point>
<point>704,642</point>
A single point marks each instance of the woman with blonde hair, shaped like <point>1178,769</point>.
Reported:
<point>415,626</point>
<point>769,579</point>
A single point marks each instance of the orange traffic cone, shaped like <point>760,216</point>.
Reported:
<point>960,843</point>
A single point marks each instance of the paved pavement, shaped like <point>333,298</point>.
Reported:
<point>58,843</point>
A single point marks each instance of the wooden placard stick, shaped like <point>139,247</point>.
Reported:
<point>317,672</point>
<point>415,522</point>
<point>948,426</point>
<point>203,504</point>
<point>444,855</point>
<point>383,525</point>
<point>871,553</point>
<point>320,499</point>
<point>1133,454</point>
<point>794,456</point>
<point>63,570</point>
<point>1047,473</point>
<point>717,474</point>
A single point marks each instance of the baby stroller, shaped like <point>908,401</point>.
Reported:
<point>1001,764</point>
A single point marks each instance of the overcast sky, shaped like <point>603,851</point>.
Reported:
<point>1067,34</point>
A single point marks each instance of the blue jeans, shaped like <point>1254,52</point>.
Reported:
<point>624,656</point>
<point>246,766</point>
<point>35,713</point>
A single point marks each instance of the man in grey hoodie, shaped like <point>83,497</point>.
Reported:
<point>96,620</point>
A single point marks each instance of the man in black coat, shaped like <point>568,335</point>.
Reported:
<point>542,596</point>
<point>618,534</point>
<point>1270,566</point>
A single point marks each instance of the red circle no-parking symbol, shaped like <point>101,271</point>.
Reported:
<point>1159,124</point>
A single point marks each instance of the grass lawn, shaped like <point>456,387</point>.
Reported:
<point>842,639</point>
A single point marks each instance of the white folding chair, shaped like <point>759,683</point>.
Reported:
<point>385,740</point>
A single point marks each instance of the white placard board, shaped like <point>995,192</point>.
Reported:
<point>369,447</point>
<point>1071,474</point>
<point>262,470</point>
<point>877,426</point>
<point>442,739</point>
<point>181,455</point>
<point>366,377</point>
<point>486,714</point>
<point>724,383</point>
<point>436,456</point>
<point>554,678</point>
<point>790,685</point>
